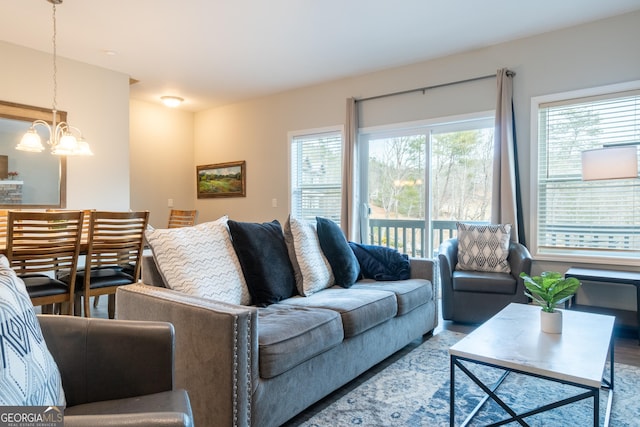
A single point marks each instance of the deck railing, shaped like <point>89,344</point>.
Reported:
<point>409,235</point>
<point>622,238</point>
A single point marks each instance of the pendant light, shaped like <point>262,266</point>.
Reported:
<point>62,138</point>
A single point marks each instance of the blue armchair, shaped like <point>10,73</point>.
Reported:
<point>475,296</point>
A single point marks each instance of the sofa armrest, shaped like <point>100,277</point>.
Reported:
<point>447,261</point>
<point>422,268</point>
<point>520,262</point>
<point>216,349</point>
<point>519,259</point>
<point>102,359</point>
<point>448,256</point>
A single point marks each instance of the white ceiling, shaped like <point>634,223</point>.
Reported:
<point>214,52</point>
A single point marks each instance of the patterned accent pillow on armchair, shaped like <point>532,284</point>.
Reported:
<point>28,374</point>
<point>483,247</point>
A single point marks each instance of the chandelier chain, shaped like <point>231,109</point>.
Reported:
<point>55,67</point>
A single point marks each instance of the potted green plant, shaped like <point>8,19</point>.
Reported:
<point>548,290</point>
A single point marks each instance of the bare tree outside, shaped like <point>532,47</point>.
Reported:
<point>459,175</point>
<point>396,177</point>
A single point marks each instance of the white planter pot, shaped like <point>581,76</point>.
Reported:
<point>551,323</point>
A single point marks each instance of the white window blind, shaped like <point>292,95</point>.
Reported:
<point>587,218</point>
<point>316,175</point>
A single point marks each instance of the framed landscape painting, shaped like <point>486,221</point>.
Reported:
<point>221,180</point>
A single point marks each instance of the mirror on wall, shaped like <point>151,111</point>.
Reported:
<point>29,180</point>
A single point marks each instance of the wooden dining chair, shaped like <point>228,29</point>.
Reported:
<point>40,246</point>
<point>86,216</point>
<point>182,218</point>
<point>114,249</point>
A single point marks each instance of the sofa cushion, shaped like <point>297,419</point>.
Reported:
<point>484,247</point>
<point>265,261</point>
<point>200,261</point>
<point>485,282</point>
<point>282,347</point>
<point>335,247</point>
<point>311,268</point>
<point>360,309</point>
<point>409,293</point>
<point>28,374</point>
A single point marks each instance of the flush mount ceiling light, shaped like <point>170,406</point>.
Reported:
<point>171,101</point>
<point>62,140</point>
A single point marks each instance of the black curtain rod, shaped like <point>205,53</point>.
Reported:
<point>426,88</point>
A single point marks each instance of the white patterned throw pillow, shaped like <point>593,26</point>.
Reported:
<point>312,270</point>
<point>484,247</point>
<point>200,261</point>
<point>28,374</point>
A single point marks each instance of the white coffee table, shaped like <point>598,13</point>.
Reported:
<point>512,340</point>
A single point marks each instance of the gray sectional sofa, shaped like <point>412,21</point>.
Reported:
<point>249,366</point>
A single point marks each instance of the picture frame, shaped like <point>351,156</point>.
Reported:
<point>221,180</point>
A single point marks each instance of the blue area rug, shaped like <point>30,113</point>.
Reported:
<point>413,390</point>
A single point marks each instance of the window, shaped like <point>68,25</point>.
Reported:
<point>420,179</point>
<point>594,221</point>
<point>316,174</point>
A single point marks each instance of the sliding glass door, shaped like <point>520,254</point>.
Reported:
<point>417,182</point>
<point>394,167</point>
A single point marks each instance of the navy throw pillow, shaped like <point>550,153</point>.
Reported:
<point>264,259</point>
<point>335,247</point>
<point>381,263</point>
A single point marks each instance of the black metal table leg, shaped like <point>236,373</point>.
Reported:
<point>608,384</point>
<point>590,393</point>
<point>452,389</point>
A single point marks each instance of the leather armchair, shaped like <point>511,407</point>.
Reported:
<point>475,296</point>
<point>116,372</point>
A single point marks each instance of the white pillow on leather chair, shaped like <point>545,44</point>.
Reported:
<point>28,374</point>
<point>484,247</point>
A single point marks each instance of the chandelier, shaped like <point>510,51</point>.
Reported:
<point>62,138</point>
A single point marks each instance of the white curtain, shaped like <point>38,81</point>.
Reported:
<point>349,216</point>
<point>505,203</point>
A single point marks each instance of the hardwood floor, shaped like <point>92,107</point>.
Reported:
<point>101,310</point>
<point>627,351</point>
